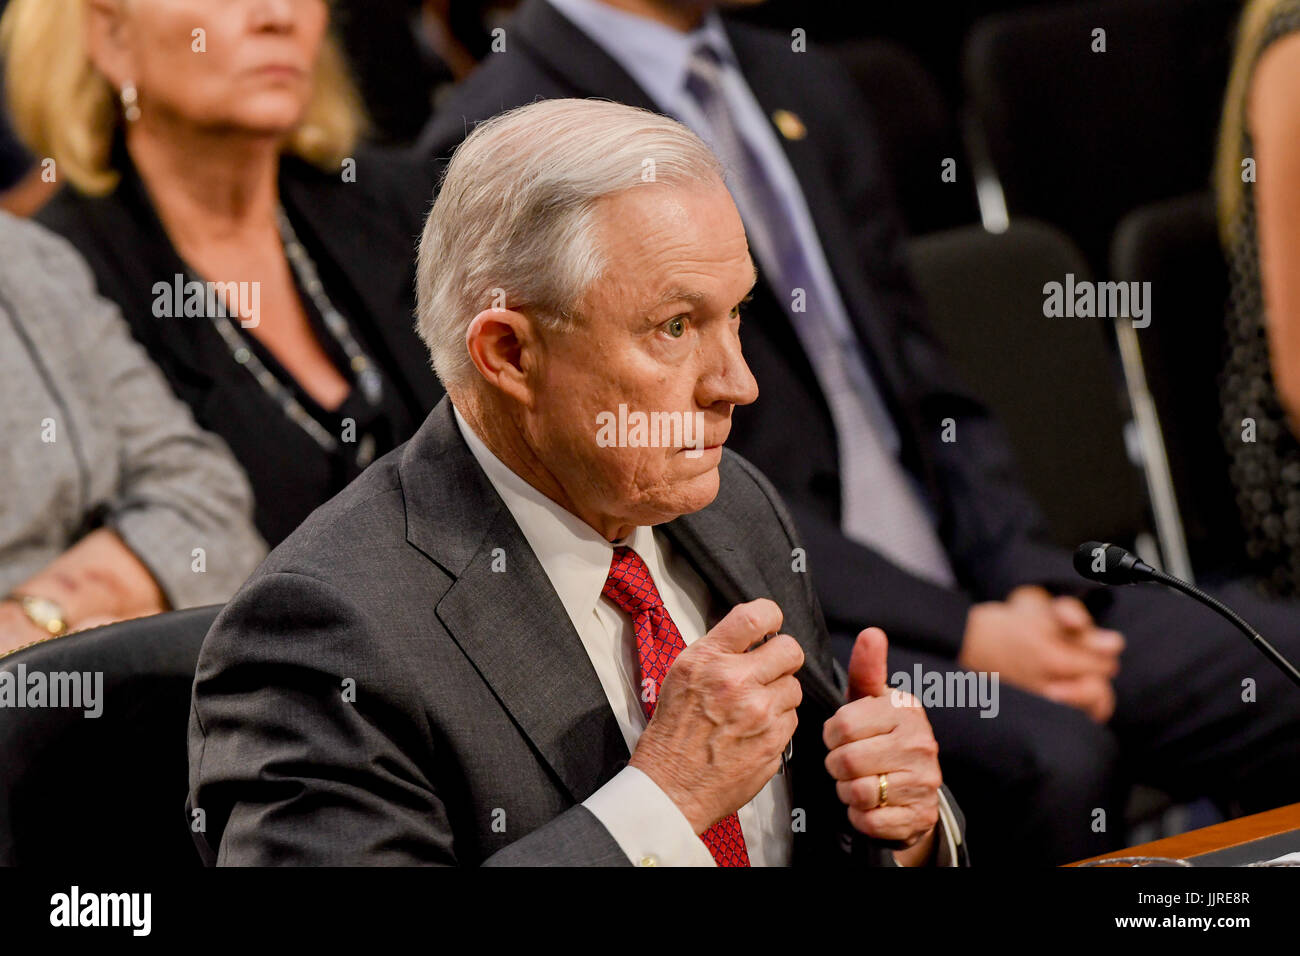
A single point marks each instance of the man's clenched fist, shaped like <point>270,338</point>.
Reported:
<point>724,716</point>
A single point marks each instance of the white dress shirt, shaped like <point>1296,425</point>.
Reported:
<point>645,823</point>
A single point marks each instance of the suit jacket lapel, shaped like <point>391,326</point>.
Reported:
<point>514,628</point>
<point>561,47</point>
<point>713,545</point>
<point>506,617</point>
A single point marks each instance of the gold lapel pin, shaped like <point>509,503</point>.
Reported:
<point>790,125</point>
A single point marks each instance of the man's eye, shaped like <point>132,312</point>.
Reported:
<point>676,327</point>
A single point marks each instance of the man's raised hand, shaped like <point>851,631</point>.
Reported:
<point>883,731</point>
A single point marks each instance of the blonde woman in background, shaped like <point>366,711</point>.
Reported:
<point>1258,189</point>
<point>212,181</point>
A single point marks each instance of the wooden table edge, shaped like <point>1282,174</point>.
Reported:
<point>1217,837</point>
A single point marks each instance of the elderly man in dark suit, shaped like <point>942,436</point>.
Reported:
<point>901,484</point>
<point>544,631</point>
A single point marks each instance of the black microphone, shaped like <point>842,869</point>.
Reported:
<point>1111,564</point>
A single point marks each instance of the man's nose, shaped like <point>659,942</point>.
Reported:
<point>730,380</point>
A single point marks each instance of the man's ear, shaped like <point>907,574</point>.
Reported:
<point>108,41</point>
<point>504,347</point>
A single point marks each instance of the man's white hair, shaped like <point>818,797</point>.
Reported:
<point>514,224</point>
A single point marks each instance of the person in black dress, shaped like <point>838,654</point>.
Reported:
<point>240,166</point>
<point>1260,381</point>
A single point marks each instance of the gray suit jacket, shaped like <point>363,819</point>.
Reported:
<point>94,436</point>
<point>382,690</point>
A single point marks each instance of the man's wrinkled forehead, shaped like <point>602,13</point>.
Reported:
<point>681,244</point>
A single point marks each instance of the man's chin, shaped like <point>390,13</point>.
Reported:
<point>699,490</point>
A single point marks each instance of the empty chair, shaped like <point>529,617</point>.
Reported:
<point>1174,245</point>
<point>84,790</point>
<point>1079,137</point>
<point>1051,381</point>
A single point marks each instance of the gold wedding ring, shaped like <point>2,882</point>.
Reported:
<point>882,791</point>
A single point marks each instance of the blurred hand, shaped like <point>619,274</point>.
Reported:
<point>16,628</point>
<point>724,716</point>
<point>1049,646</point>
<point>884,731</point>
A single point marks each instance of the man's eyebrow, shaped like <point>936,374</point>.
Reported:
<point>693,296</point>
<point>678,295</point>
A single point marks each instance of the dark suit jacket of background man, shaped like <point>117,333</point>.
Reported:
<point>987,522</point>
<point>479,724</point>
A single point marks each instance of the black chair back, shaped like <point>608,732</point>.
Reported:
<point>81,790</point>
<point>1052,382</point>
<point>1174,245</point>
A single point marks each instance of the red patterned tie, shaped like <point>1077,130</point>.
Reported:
<point>658,642</point>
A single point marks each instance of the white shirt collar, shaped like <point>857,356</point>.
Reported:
<point>574,556</point>
<point>654,54</point>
